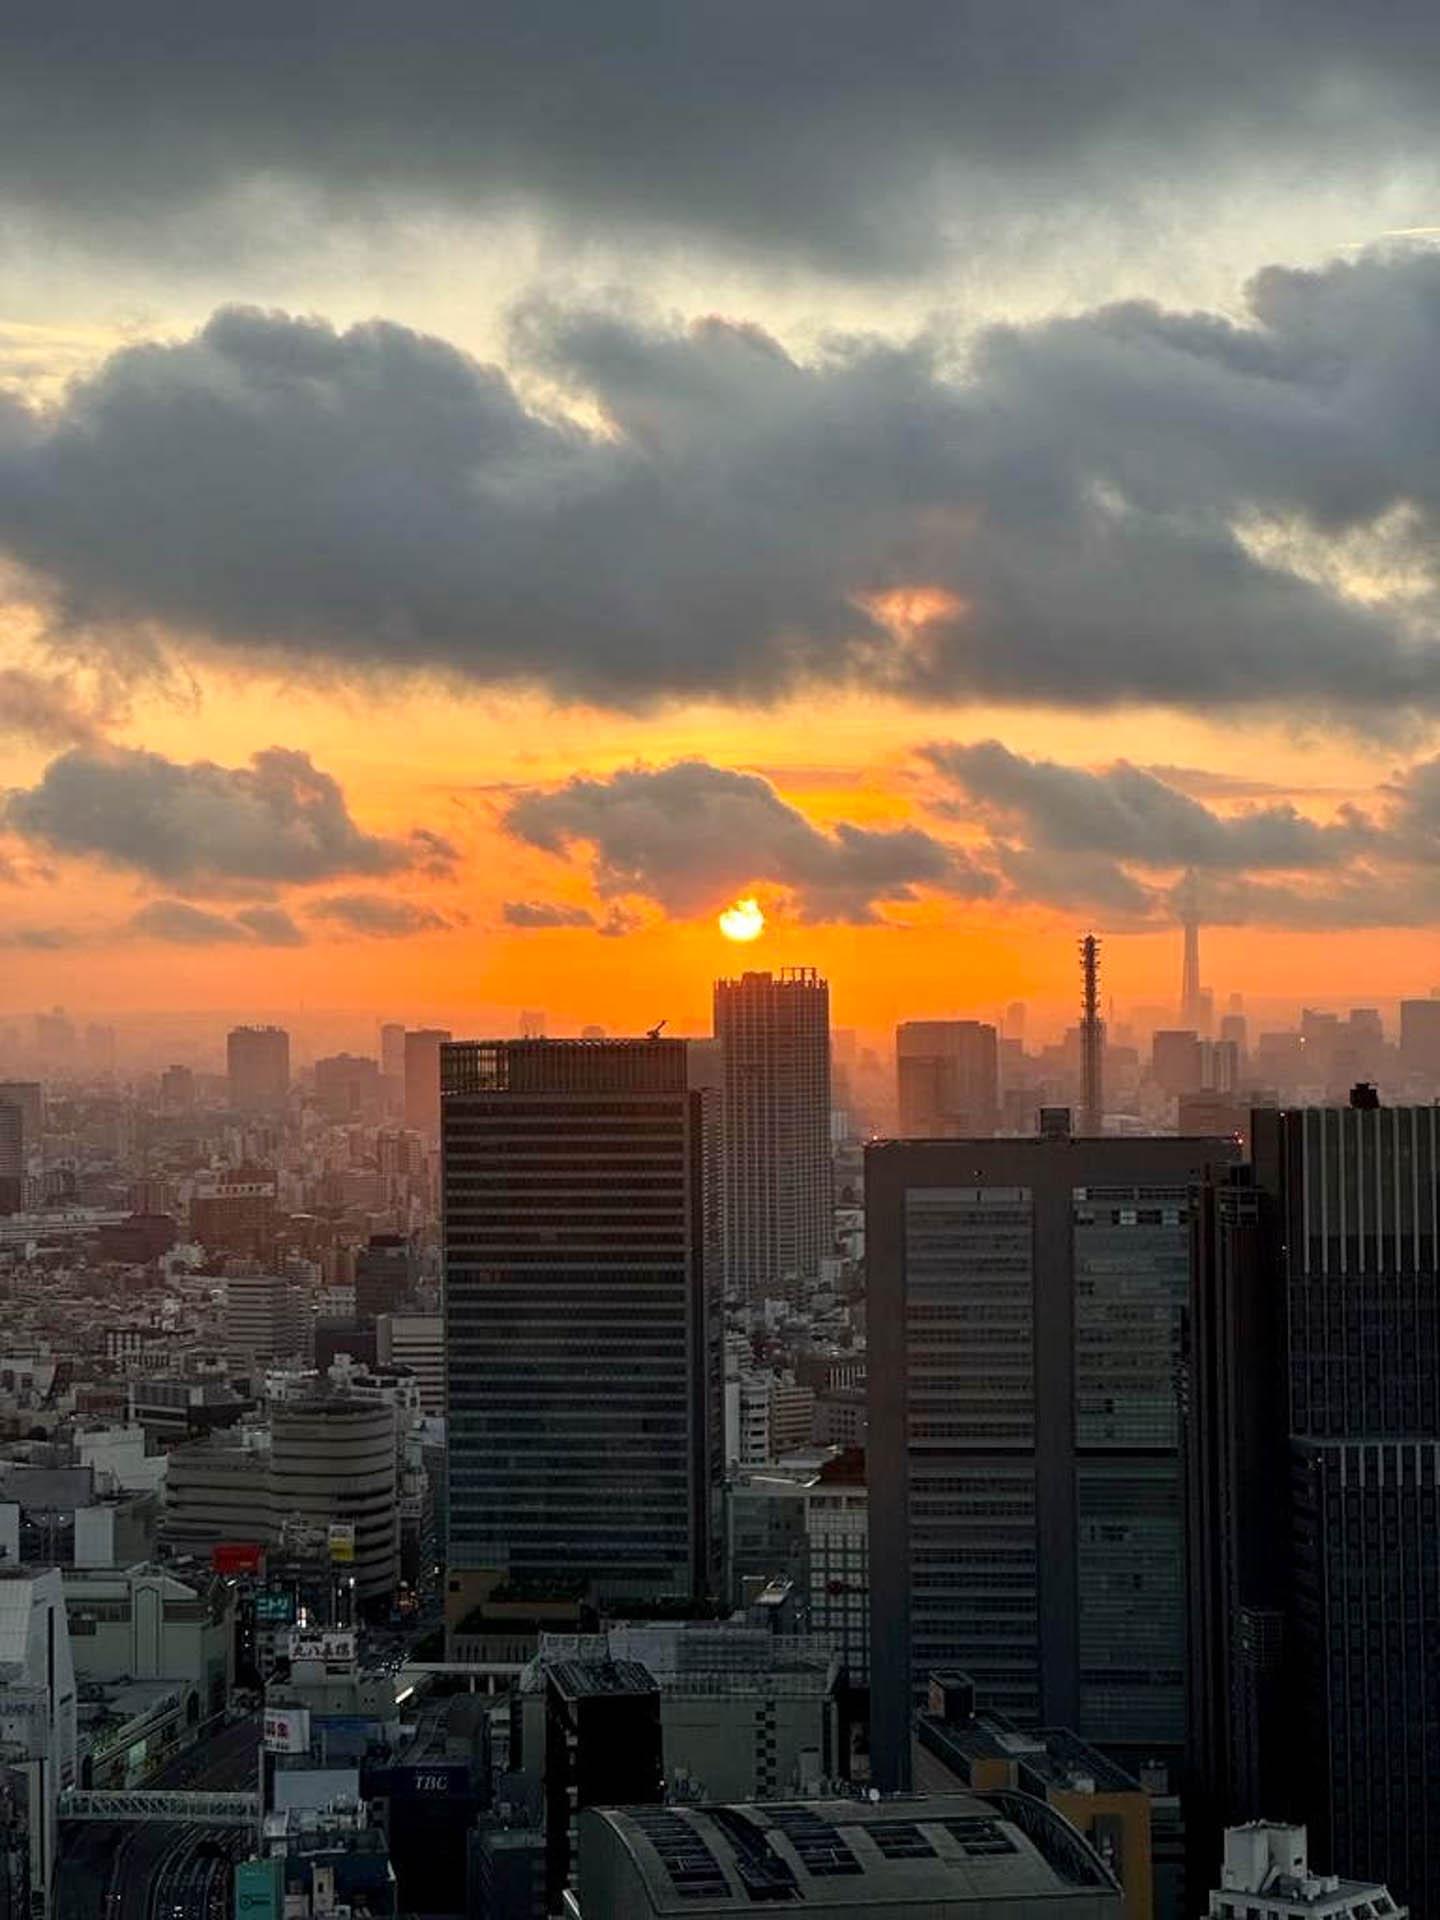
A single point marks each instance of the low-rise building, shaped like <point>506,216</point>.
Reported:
<point>960,1856</point>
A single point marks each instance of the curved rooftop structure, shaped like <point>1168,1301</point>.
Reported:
<point>954,1854</point>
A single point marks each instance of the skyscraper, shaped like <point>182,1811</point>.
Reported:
<point>422,1079</point>
<point>1344,1271</point>
<point>258,1061</point>
<point>774,1039</point>
<point>12,1158</point>
<point>948,1078</point>
<point>1025,1310</point>
<point>583,1341</point>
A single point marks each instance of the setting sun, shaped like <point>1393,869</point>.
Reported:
<point>743,921</point>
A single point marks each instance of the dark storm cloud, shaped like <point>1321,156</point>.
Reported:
<point>378,916</point>
<point>544,913</point>
<point>834,129</point>
<point>196,824</point>
<point>1127,813</point>
<point>689,836</point>
<point>1083,505</point>
<point>45,708</point>
<point>1109,842</point>
<point>179,924</point>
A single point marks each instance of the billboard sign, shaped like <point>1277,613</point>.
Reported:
<point>275,1607</point>
<point>287,1730</point>
<point>237,1556</point>
<point>342,1543</point>
<point>259,1889</point>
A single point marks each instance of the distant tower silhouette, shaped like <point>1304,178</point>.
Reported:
<point>1092,1039</point>
<point>1192,995</point>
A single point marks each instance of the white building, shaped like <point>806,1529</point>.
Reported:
<point>416,1341</point>
<point>37,1710</point>
<point>141,1623</point>
<point>1267,1876</point>
<point>263,1318</point>
<point>837,1538</point>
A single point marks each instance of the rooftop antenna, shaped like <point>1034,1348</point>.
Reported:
<point>653,1033</point>
<point>1092,1039</point>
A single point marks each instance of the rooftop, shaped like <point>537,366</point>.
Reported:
<point>942,1853</point>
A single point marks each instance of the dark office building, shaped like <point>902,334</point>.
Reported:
<point>1355,1193</point>
<point>582,1333</point>
<point>603,1748</point>
<point>384,1277</point>
<point>1026,1300</point>
<point>1240,1761</point>
<point>774,1037</point>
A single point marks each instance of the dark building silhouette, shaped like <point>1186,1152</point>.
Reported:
<point>1239,1761</point>
<point>1026,1300</point>
<point>948,1078</point>
<point>422,1079</point>
<point>582,1333</point>
<point>1354,1199</point>
<point>774,1036</point>
<point>384,1277</point>
<point>257,1060</point>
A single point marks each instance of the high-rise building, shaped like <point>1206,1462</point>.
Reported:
<point>392,1050</point>
<point>583,1348</point>
<point>263,1319</point>
<point>1318,1306</point>
<point>1025,1312</point>
<point>948,1078</point>
<point>258,1062</point>
<point>29,1097</point>
<point>422,1079</point>
<point>12,1159</point>
<point>416,1341</point>
<point>384,1277</point>
<point>774,1038</point>
<point>347,1087</point>
<point>1419,1039</point>
<point>177,1090</point>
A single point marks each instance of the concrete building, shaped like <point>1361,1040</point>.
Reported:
<point>257,1061</point>
<point>1025,1308</point>
<point>947,1857</point>
<point>774,1037</point>
<point>837,1569</point>
<point>144,1623</point>
<point>416,1341</point>
<point>264,1320</point>
<point>422,1080</point>
<point>582,1335</point>
<point>947,1078</point>
<point>333,1462</point>
<point>235,1212</point>
<point>1267,1876</point>
<point>37,1713</point>
<point>219,1490</point>
<point>958,1746</point>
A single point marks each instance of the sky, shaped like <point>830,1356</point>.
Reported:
<point>482,490</point>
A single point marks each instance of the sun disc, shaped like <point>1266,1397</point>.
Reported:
<point>743,921</point>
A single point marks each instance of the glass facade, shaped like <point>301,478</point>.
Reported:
<point>582,1346</point>
<point>970,1411</point>
<point>1132,1266</point>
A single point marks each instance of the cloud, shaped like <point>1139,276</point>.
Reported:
<point>179,924</point>
<point>690,836</point>
<point>823,129</point>
<point>1114,842</point>
<point>47,709</point>
<point>544,913</point>
<point>204,826</point>
<point>1124,506</point>
<point>378,915</point>
<point>40,939</point>
<point>1130,814</point>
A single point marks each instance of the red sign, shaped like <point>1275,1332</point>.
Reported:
<point>237,1556</point>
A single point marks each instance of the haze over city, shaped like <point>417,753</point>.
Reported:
<point>720,1033</point>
